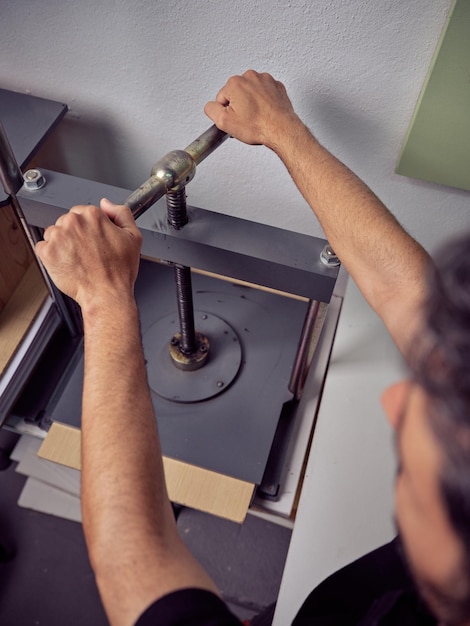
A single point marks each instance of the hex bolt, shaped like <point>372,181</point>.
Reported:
<point>328,257</point>
<point>34,179</point>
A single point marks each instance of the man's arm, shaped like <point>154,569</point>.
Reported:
<point>131,535</point>
<point>386,263</point>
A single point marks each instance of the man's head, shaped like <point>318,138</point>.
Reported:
<point>431,413</point>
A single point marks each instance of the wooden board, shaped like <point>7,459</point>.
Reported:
<point>15,253</point>
<point>19,312</point>
<point>187,485</point>
<point>437,145</point>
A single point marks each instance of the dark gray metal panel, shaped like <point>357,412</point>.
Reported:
<point>242,249</point>
<point>230,433</point>
<point>27,121</point>
<point>211,241</point>
<point>42,207</point>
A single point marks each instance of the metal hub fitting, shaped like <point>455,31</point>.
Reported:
<point>193,361</point>
<point>175,169</point>
<point>328,257</point>
<point>34,179</point>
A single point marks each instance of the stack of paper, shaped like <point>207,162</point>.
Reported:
<point>50,488</point>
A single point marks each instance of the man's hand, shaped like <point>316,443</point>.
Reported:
<point>253,108</point>
<point>91,252</point>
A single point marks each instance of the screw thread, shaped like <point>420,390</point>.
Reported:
<point>184,297</point>
<point>176,208</point>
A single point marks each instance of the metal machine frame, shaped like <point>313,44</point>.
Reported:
<point>287,265</point>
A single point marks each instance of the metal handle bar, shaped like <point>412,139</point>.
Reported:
<point>174,170</point>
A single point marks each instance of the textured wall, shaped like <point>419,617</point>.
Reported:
<point>137,73</point>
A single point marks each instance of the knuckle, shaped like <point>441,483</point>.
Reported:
<point>93,211</point>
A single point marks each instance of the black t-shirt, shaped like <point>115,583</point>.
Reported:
<point>188,607</point>
<point>375,590</point>
<point>197,607</point>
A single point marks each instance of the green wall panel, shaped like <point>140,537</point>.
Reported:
<point>437,145</point>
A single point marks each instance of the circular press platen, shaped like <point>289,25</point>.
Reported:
<point>221,368</point>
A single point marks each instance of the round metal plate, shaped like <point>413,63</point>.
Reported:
<point>225,356</point>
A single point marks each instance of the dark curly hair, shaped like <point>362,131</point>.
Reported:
<point>441,366</point>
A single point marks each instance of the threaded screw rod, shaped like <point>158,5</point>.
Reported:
<point>178,216</point>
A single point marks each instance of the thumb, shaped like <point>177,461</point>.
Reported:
<point>120,214</point>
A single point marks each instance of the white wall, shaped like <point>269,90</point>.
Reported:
<point>136,75</point>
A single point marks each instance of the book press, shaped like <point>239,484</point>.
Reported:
<point>237,322</point>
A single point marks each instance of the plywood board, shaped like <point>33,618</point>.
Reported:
<point>16,255</point>
<point>187,485</point>
<point>437,145</point>
<point>19,313</point>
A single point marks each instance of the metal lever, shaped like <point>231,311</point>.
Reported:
<point>174,170</point>
<point>188,349</point>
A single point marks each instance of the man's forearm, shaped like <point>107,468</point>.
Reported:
<point>128,520</point>
<point>387,264</point>
<point>115,389</point>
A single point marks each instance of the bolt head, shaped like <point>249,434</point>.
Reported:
<point>34,179</point>
<point>328,257</point>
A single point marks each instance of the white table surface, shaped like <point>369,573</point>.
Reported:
<point>346,505</point>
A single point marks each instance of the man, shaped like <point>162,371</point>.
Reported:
<point>144,573</point>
